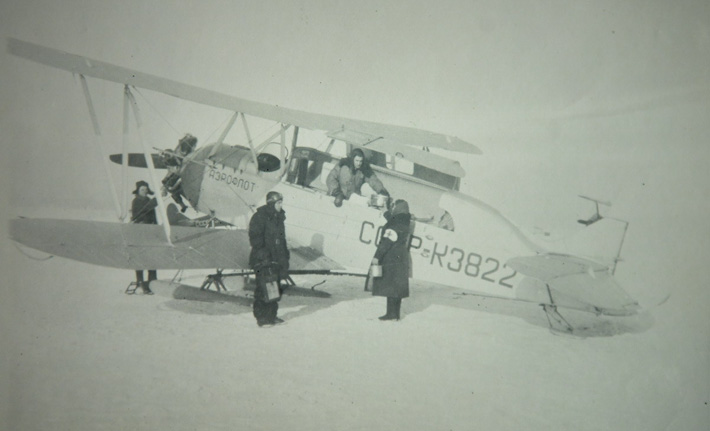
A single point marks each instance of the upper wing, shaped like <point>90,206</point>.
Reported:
<point>577,283</point>
<point>143,246</point>
<point>98,69</point>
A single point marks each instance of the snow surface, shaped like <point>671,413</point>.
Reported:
<point>80,354</point>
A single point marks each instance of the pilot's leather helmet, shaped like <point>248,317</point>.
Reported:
<point>273,197</point>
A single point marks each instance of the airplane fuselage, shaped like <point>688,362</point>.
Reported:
<point>472,255</point>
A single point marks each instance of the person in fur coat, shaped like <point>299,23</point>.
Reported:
<point>393,254</point>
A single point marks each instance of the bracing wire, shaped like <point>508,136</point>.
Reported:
<point>219,126</point>
<point>255,138</point>
<point>137,90</point>
<point>209,136</point>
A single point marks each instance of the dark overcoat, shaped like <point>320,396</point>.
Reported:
<point>267,237</point>
<point>393,254</point>
<point>143,210</point>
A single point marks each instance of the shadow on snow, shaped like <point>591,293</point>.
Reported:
<point>323,292</point>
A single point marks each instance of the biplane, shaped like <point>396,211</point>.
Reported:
<point>457,240</point>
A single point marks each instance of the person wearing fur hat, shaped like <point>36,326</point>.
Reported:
<point>269,255</point>
<point>393,255</point>
<point>349,176</point>
<point>186,145</point>
<point>143,212</point>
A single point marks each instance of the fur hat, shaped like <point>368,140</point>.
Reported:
<point>138,186</point>
<point>400,207</point>
<point>187,144</point>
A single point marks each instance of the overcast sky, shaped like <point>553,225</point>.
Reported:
<point>564,98</point>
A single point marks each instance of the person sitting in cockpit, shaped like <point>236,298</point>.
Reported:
<point>349,175</point>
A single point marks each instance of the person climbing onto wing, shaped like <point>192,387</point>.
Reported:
<point>172,183</point>
<point>185,146</point>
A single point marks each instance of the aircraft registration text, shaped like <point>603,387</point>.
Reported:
<point>453,259</point>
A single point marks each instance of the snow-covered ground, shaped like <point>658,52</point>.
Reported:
<point>79,354</point>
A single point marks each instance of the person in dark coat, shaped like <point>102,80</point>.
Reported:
<point>269,255</point>
<point>143,212</point>
<point>393,254</point>
<point>172,183</point>
<point>349,176</point>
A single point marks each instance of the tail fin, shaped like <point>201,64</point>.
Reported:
<point>600,240</point>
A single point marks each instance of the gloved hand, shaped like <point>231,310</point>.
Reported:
<point>338,201</point>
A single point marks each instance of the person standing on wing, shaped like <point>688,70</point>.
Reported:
<point>393,255</point>
<point>349,176</point>
<point>269,255</point>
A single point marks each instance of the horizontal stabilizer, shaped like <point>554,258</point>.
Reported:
<point>547,267</point>
<point>577,283</point>
<point>137,160</point>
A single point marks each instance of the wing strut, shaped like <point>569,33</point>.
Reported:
<point>554,318</point>
<point>220,141</point>
<point>249,140</point>
<point>149,160</point>
<point>97,141</point>
<point>124,150</point>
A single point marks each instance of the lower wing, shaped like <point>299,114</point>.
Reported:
<point>143,246</point>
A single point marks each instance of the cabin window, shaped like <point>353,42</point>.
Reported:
<point>268,162</point>
<point>403,166</point>
<point>297,172</point>
<point>399,164</point>
<point>433,176</point>
<point>309,168</point>
<point>446,221</point>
